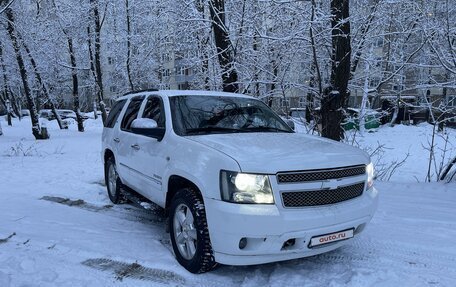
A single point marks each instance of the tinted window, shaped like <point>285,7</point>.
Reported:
<point>114,114</point>
<point>131,113</point>
<point>194,115</point>
<point>153,110</point>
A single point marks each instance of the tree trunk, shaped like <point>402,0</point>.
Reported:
<point>316,75</point>
<point>92,68</point>
<point>130,81</point>
<point>97,59</point>
<point>5,100</point>
<point>74,74</point>
<point>395,111</point>
<point>397,106</point>
<point>36,129</point>
<point>223,44</point>
<point>335,97</point>
<point>275,73</point>
<point>95,114</point>
<point>362,113</point>
<point>203,41</point>
<point>10,113</point>
<point>256,75</point>
<point>15,108</point>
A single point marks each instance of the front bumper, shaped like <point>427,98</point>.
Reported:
<point>268,227</point>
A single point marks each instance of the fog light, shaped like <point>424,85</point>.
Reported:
<point>242,243</point>
<point>288,244</point>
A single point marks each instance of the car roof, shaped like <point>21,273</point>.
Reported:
<point>173,93</point>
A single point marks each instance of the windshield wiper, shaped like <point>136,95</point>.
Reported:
<point>266,129</point>
<point>211,129</point>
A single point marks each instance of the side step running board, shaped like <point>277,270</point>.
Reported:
<point>140,201</point>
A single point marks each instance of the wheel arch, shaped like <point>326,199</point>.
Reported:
<point>176,183</point>
<point>107,154</point>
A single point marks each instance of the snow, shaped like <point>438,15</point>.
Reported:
<point>58,227</point>
<point>415,141</point>
<point>403,142</point>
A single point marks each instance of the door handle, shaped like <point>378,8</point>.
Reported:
<point>135,146</point>
<point>117,140</point>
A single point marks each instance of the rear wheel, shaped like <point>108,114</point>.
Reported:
<point>113,182</point>
<point>189,232</point>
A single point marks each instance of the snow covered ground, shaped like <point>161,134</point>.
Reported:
<point>58,228</point>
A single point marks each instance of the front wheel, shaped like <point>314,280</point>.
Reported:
<point>189,232</point>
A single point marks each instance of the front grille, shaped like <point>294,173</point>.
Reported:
<point>322,196</point>
<point>321,174</point>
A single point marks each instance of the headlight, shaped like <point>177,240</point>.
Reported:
<point>370,175</point>
<point>245,188</point>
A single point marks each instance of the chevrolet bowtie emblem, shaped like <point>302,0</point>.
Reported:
<point>330,184</point>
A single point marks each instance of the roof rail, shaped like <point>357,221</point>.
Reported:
<point>140,91</point>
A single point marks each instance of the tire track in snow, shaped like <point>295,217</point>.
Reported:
<point>124,270</point>
<point>129,213</point>
<point>414,255</point>
<point>369,251</point>
<point>386,253</point>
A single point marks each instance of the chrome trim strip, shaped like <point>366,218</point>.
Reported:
<point>142,174</point>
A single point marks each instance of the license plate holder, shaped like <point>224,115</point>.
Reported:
<point>332,237</point>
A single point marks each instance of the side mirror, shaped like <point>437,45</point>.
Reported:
<point>290,123</point>
<point>144,123</point>
<point>147,127</point>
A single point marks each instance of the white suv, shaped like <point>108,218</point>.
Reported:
<point>239,185</point>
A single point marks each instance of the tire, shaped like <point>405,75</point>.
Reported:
<point>113,182</point>
<point>189,232</point>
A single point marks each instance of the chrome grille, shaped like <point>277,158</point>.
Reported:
<point>322,196</point>
<point>320,174</point>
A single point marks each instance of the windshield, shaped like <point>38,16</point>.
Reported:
<point>195,115</point>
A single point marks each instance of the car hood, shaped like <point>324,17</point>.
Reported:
<point>275,152</point>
